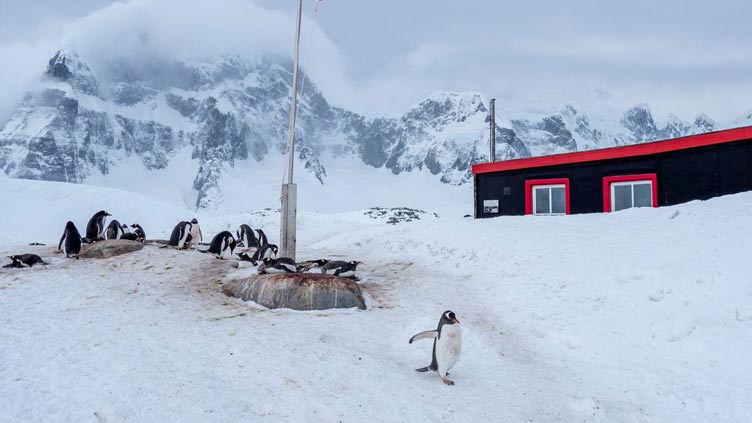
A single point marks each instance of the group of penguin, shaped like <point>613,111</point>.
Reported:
<point>71,241</point>
<point>256,249</point>
<point>447,338</point>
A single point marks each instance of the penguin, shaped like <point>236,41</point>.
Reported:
<point>268,251</point>
<point>447,345</point>
<point>305,266</point>
<point>130,236</point>
<point>139,231</point>
<point>26,259</point>
<point>95,227</point>
<point>278,265</point>
<point>243,256</point>
<point>247,237</point>
<point>181,235</point>
<point>196,235</point>
<point>221,245</point>
<point>341,268</point>
<point>262,240</point>
<point>114,230</point>
<point>70,242</point>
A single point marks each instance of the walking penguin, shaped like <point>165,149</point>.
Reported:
<point>447,345</point>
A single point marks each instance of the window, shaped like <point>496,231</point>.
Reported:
<point>549,199</point>
<point>547,196</point>
<point>627,191</point>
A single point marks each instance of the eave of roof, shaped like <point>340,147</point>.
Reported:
<point>656,147</point>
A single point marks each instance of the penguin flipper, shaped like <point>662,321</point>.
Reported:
<point>423,369</point>
<point>429,334</point>
<point>60,245</point>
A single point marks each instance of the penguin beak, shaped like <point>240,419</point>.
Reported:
<point>456,321</point>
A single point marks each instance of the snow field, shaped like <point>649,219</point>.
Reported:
<point>642,315</point>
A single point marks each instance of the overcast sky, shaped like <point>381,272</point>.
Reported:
<point>383,56</point>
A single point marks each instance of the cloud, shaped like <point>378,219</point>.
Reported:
<point>154,30</point>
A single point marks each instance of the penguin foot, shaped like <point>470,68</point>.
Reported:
<point>447,381</point>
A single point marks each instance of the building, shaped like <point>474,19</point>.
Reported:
<point>653,174</point>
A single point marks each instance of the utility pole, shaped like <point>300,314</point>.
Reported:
<point>287,236</point>
<point>493,130</point>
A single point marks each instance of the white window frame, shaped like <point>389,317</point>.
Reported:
<point>613,186</point>
<point>550,202</point>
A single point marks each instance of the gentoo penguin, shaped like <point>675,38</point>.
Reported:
<point>196,235</point>
<point>262,240</point>
<point>22,260</point>
<point>114,230</point>
<point>447,345</point>
<point>95,227</point>
<point>181,235</point>
<point>130,236</point>
<point>278,265</point>
<point>341,268</point>
<point>252,258</point>
<point>139,231</point>
<point>221,245</point>
<point>307,265</point>
<point>70,242</point>
<point>246,237</point>
<point>268,251</point>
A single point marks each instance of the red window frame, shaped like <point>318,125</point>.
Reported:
<point>608,180</point>
<point>530,183</point>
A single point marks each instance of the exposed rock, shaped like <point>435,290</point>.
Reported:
<point>110,248</point>
<point>298,291</point>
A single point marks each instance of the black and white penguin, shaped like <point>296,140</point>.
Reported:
<point>196,235</point>
<point>23,260</point>
<point>114,230</point>
<point>447,345</point>
<point>70,242</point>
<point>268,251</point>
<point>180,236</point>
<point>278,265</point>
<point>95,227</point>
<point>247,237</point>
<point>221,245</point>
<point>139,231</point>
<point>345,269</point>
<point>262,239</point>
<point>130,236</point>
<point>307,265</point>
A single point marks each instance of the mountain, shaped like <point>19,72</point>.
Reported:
<point>82,122</point>
<point>89,117</point>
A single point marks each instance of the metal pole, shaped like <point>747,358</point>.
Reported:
<point>493,130</point>
<point>287,237</point>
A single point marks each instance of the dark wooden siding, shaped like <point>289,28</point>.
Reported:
<point>683,175</point>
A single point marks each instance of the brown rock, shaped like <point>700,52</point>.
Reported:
<point>298,291</point>
<point>110,248</point>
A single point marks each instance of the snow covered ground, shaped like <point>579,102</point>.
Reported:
<point>638,316</point>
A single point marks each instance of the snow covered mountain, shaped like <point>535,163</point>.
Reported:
<point>227,109</point>
<point>91,117</point>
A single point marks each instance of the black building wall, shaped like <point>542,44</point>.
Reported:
<point>683,175</point>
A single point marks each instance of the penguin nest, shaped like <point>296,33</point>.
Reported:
<point>110,248</point>
<point>298,291</point>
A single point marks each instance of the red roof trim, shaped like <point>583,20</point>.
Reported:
<point>692,141</point>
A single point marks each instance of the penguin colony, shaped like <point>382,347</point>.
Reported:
<point>447,338</point>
